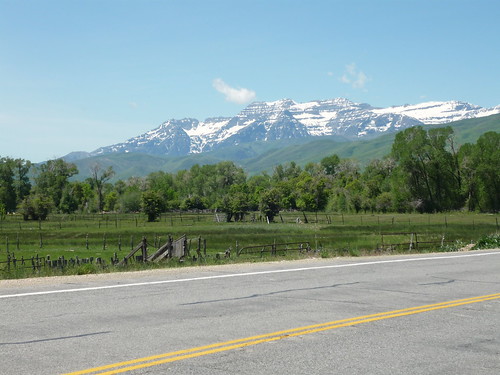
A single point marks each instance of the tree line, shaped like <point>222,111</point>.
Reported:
<point>424,172</point>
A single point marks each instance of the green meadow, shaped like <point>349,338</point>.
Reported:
<point>109,235</point>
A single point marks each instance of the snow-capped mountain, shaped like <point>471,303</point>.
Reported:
<point>441,112</point>
<point>284,119</point>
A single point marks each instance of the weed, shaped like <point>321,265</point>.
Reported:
<point>488,242</point>
<point>354,252</point>
<point>86,269</point>
<point>325,254</point>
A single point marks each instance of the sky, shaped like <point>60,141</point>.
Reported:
<point>79,75</point>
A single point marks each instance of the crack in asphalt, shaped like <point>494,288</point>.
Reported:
<point>54,338</point>
<point>396,291</point>
<point>440,282</point>
<point>266,294</point>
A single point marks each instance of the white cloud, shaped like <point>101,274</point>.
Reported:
<point>354,77</point>
<point>239,96</point>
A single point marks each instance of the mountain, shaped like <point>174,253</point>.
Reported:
<point>259,156</point>
<point>432,113</point>
<point>287,119</point>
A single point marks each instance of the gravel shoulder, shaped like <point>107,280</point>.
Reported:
<point>175,272</point>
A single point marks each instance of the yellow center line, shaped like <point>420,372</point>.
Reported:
<point>159,359</point>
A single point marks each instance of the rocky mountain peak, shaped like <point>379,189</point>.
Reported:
<point>285,119</point>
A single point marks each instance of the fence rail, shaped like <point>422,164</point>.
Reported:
<point>35,262</point>
<point>275,248</point>
<point>412,243</point>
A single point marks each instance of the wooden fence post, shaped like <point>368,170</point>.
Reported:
<point>144,249</point>
<point>198,249</point>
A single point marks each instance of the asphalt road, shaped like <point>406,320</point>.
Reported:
<point>374,315</point>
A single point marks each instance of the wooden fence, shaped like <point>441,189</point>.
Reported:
<point>412,242</point>
<point>275,249</point>
<point>171,249</point>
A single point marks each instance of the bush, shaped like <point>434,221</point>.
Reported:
<point>488,242</point>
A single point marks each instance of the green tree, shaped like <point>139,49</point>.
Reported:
<point>288,192</point>
<point>256,185</point>
<point>345,193</point>
<point>69,200</point>
<point>376,181</point>
<point>330,164</point>
<point>287,171</point>
<point>52,179</point>
<point>36,207</point>
<point>427,164</point>
<point>480,164</point>
<point>235,204</point>
<point>3,212</point>
<point>7,188</point>
<point>99,177</point>
<point>164,184</point>
<point>110,201</point>
<point>488,167</point>
<point>384,202</point>
<point>130,201</point>
<point>22,184</point>
<point>152,204</point>
<point>269,204</point>
<point>312,192</point>
<point>194,203</point>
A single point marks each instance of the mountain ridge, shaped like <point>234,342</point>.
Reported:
<point>287,119</point>
<point>256,157</point>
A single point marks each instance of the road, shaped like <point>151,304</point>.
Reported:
<point>418,314</point>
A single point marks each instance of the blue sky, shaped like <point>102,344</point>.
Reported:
<point>77,75</point>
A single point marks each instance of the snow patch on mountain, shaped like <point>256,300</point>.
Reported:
<point>440,112</point>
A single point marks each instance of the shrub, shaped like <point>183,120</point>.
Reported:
<point>488,242</point>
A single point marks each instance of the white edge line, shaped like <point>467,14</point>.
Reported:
<point>243,274</point>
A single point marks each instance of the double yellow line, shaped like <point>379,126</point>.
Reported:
<point>180,355</point>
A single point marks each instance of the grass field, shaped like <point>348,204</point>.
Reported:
<point>86,236</point>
